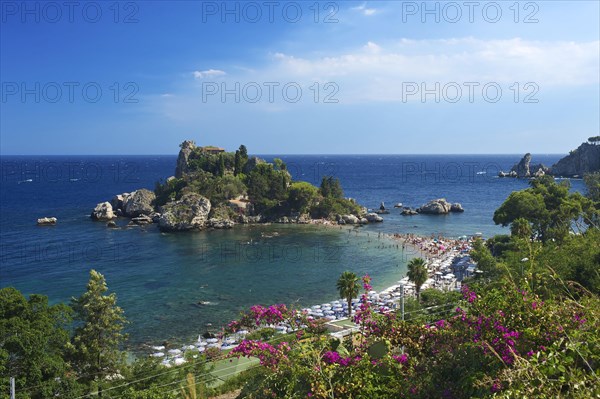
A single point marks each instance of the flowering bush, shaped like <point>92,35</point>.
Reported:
<point>496,340</point>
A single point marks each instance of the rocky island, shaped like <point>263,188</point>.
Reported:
<point>434,207</point>
<point>581,161</point>
<point>213,188</point>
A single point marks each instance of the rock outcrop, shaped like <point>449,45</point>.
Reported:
<point>350,219</point>
<point>46,221</point>
<point>585,159</point>
<point>103,212</point>
<point>139,203</point>
<point>456,207</point>
<point>373,218</point>
<point>141,220</point>
<point>220,223</point>
<point>439,207</point>
<point>436,207</point>
<point>408,212</point>
<point>251,164</point>
<point>188,213</point>
<point>182,160</point>
<point>524,169</point>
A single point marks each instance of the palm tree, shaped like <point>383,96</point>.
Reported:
<point>348,288</point>
<point>417,273</point>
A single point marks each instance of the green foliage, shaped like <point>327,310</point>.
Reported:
<point>243,153</point>
<point>592,182</point>
<point>497,245</point>
<point>417,273</point>
<point>348,287</point>
<point>267,188</point>
<point>301,196</point>
<point>329,207</point>
<point>577,259</point>
<point>279,164</point>
<point>500,342</point>
<point>96,345</point>
<point>548,207</point>
<point>594,139</point>
<point>331,187</point>
<point>484,259</point>
<point>33,336</point>
<point>521,228</point>
<point>221,168</point>
<point>216,164</point>
<point>168,191</point>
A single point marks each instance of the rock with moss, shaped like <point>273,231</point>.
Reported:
<point>585,159</point>
<point>187,147</point>
<point>140,202</point>
<point>188,213</point>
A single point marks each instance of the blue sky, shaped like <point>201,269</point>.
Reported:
<point>291,77</point>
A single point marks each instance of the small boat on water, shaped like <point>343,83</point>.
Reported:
<point>398,205</point>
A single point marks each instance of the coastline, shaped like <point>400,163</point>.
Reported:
<point>438,260</point>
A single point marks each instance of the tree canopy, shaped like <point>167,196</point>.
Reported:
<point>348,288</point>
<point>550,209</point>
<point>417,273</point>
<point>98,340</point>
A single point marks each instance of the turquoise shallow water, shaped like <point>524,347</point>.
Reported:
<point>161,278</point>
<point>298,265</point>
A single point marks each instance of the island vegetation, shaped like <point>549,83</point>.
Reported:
<point>266,189</point>
<point>525,327</point>
<point>213,188</point>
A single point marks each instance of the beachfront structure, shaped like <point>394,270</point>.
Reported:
<point>212,149</point>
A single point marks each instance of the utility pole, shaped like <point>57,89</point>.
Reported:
<point>402,303</point>
<point>12,388</point>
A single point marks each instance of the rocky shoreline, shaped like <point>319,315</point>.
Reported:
<point>581,161</point>
<point>192,211</point>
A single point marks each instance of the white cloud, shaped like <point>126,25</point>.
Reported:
<point>364,10</point>
<point>373,72</point>
<point>210,73</point>
<point>372,47</point>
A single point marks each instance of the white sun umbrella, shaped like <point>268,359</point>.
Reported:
<point>179,361</point>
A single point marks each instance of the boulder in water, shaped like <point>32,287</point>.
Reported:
<point>139,203</point>
<point>103,212</point>
<point>47,221</point>
<point>436,207</point>
<point>373,218</point>
<point>457,207</point>
<point>188,213</point>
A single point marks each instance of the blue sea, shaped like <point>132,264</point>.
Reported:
<point>172,286</point>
